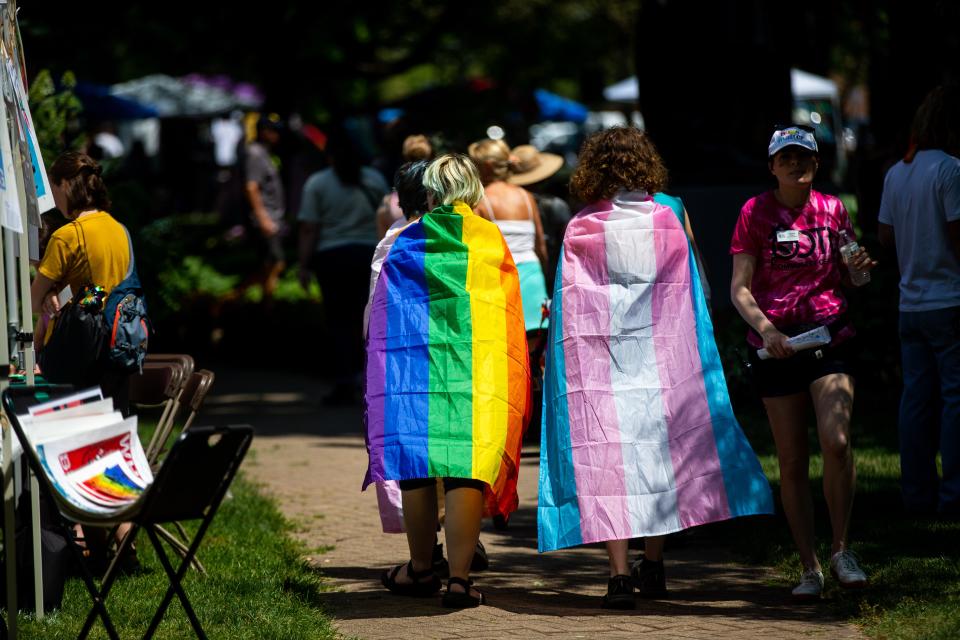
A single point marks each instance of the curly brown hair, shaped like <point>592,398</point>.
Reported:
<point>617,159</point>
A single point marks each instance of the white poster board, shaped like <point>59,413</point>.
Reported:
<point>28,137</point>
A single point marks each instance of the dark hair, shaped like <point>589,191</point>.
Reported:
<point>620,158</point>
<point>937,122</point>
<point>344,156</point>
<point>411,193</point>
<point>79,176</point>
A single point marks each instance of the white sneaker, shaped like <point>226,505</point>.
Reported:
<point>844,567</point>
<point>810,587</point>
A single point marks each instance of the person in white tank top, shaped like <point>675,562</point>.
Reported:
<point>514,211</point>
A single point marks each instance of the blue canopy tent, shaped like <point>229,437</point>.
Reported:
<point>100,104</point>
<point>558,108</point>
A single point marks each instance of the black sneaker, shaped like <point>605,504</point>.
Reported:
<point>440,565</point>
<point>649,578</point>
<point>619,594</point>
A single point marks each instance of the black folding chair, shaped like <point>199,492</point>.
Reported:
<point>189,485</point>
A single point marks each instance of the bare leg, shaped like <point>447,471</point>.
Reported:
<point>272,277</point>
<point>420,520</point>
<point>787,415</point>
<point>617,552</point>
<point>464,509</point>
<point>833,402</point>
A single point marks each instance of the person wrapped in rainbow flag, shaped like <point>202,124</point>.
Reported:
<point>639,438</point>
<point>447,379</point>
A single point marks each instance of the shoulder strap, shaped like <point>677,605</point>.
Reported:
<point>489,207</point>
<point>82,247</point>
<point>526,200</point>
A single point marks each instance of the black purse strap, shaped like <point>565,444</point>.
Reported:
<point>82,246</point>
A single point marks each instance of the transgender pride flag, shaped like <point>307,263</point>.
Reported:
<point>639,438</point>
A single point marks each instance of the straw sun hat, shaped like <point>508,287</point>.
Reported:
<point>530,165</point>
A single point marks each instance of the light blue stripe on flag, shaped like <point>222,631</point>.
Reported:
<point>558,511</point>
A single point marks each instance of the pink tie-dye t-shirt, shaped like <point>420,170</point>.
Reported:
<point>798,271</point>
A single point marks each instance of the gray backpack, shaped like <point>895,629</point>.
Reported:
<point>128,323</point>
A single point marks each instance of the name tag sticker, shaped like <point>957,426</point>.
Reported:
<point>791,235</point>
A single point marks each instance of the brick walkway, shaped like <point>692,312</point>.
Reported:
<point>312,460</point>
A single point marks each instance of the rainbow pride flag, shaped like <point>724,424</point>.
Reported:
<point>447,375</point>
<point>114,483</point>
<point>639,438</point>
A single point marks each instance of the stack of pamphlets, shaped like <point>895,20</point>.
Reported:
<point>91,453</point>
<point>807,340</point>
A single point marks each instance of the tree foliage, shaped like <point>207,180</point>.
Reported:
<point>55,112</point>
<point>307,55</point>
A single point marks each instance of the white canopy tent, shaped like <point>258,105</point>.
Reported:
<point>803,85</point>
<point>190,95</point>
<point>806,85</point>
<point>627,90</point>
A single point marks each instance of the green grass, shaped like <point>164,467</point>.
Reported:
<point>913,564</point>
<point>258,585</point>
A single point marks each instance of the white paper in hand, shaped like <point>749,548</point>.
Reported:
<point>65,295</point>
<point>808,340</point>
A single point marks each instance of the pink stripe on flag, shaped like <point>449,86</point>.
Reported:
<point>597,461</point>
<point>701,494</point>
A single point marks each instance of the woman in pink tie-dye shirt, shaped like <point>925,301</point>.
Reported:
<point>787,276</point>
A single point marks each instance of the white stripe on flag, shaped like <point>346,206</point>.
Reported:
<point>648,470</point>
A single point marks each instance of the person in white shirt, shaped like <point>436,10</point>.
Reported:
<point>920,217</point>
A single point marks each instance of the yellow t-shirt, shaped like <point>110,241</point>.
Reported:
<point>90,250</point>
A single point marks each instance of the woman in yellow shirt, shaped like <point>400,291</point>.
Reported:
<point>91,249</point>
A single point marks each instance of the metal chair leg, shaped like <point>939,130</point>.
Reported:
<point>175,585</point>
<point>99,596</point>
<point>179,546</point>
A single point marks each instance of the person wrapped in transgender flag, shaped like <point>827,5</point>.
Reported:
<point>639,438</point>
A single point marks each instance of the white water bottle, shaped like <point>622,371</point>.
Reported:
<point>849,246</point>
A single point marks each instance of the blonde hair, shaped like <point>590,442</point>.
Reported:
<point>492,158</point>
<point>453,177</point>
<point>417,147</point>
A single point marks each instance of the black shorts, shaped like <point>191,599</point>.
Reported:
<point>449,484</point>
<point>773,377</point>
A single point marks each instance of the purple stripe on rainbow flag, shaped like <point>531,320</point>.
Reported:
<point>375,377</point>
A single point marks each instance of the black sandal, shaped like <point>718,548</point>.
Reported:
<point>440,565</point>
<point>461,600</point>
<point>416,588</point>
